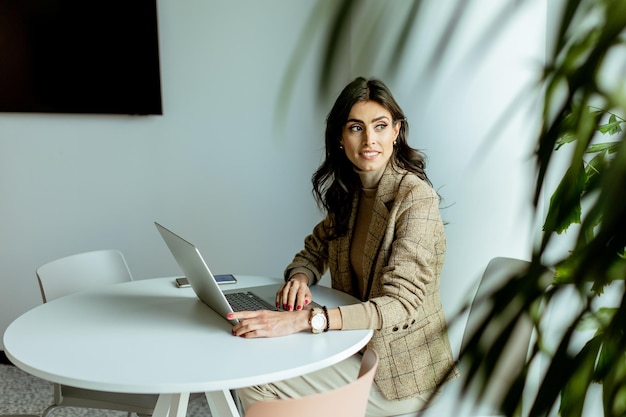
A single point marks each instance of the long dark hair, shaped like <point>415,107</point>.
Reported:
<point>335,181</point>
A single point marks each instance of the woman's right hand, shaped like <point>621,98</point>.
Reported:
<point>294,294</point>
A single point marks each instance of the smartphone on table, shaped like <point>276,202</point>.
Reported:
<point>183,282</point>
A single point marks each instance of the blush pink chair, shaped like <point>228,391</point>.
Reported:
<point>347,401</point>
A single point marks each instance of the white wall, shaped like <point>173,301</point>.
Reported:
<point>216,169</point>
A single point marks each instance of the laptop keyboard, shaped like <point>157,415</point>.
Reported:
<point>247,301</point>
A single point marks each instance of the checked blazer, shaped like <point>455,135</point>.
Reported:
<point>403,257</point>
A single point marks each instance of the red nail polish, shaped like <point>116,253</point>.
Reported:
<point>299,308</point>
<point>306,302</point>
<point>290,308</point>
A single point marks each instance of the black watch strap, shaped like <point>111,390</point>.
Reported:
<point>327,318</point>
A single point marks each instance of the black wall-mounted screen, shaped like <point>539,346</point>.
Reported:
<point>79,56</point>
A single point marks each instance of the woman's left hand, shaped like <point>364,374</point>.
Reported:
<point>294,294</point>
<point>267,323</point>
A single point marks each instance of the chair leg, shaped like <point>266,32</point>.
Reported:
<point>49,409</point>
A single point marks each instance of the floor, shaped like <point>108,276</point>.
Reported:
<point>21,393</point>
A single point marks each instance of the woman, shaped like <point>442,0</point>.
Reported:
<point>383,241</point>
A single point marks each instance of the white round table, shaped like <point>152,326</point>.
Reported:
<point>151,337</point>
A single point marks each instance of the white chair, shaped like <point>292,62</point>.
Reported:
<point>82,271</point>
<point>452,402</point>
<point>347,401</point>
<point>76,273</point>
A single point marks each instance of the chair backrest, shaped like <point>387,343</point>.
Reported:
<point>515,352</point>
<point>347,401</point>
<point>82,271</point>
<point>496,273</point>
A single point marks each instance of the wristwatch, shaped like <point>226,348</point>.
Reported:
<point>317,320</point>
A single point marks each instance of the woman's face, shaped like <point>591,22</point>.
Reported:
<point>368,136</point>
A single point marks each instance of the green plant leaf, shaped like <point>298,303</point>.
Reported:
<point>573,396</point>
<point>611,369</point>
<point>597,320</point>
<point>609,147</point>
<point>594,169</point>
<point>565,209</point>
<point>612,128</point>
<point>614,388</point>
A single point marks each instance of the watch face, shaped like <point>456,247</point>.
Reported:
<point>317,322</point>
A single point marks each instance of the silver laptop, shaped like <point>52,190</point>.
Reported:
<point>206,287</point>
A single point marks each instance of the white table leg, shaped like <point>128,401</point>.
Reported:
<point>171,405</point>
<point>222,404</point>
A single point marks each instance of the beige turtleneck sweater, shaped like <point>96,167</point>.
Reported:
<point>364,315</point>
